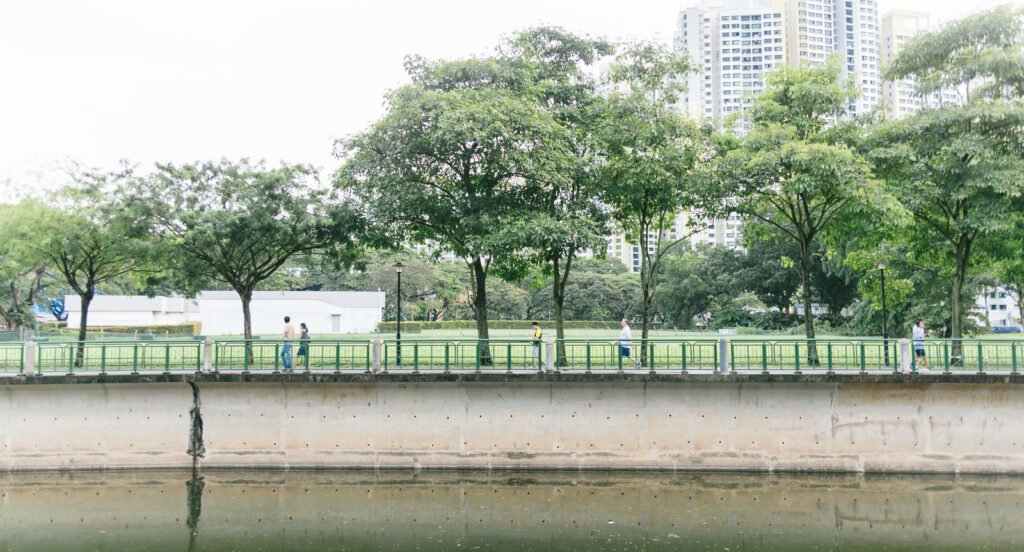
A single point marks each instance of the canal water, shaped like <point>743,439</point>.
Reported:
<point>505,511</point>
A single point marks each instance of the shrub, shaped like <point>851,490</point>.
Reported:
<point>504,325</point>
<point>188,328</point>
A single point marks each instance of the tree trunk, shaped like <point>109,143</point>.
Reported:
<point>558,294</point>
<point>956,330</point>
<point>480,305</point>
<point>805,278</point>
<point>82,321</point>
<point>246,297</point>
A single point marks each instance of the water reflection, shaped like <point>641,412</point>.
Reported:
<point>505,511</point>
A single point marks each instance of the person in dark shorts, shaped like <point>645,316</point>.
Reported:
<point>920,360</point>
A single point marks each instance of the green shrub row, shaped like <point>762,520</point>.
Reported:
<point>414,327</point>
<point>189,328</point>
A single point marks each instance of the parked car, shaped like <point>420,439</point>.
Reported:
<point>1006,329</point>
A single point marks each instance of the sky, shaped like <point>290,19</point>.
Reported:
<point>94,82</point>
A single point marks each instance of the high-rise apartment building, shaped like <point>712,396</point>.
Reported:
<point>857,39</point>
<point>733,44</point>
<point>899,98</point>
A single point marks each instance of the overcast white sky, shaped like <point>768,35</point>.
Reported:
<point>98,81</point>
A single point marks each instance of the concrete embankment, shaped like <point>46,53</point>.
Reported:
<point>876,423</point>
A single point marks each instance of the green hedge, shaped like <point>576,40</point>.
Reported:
<point>190,328</point>
<point>414,327</point>
<point>410,327</point>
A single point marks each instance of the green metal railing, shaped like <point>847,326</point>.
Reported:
<point>314,354</point>
<point>972,355</point>
<point>829,354</point>
<point>12,357</point>
<point>662,354</point>
<point>119,356</point>
<point>665,355</point>
<point>461,354</point>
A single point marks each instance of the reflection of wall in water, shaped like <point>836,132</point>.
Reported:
<point>547,511</point>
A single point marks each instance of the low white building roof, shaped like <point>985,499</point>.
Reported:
<point>131,303</point>
<point>346,299</point>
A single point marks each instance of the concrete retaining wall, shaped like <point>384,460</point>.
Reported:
<point>687,424</point>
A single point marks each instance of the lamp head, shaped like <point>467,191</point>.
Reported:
<point>881,265</point>
<point>398,267</point>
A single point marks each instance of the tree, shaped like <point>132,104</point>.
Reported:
<point>23,267</point>
<point>93,242</point>
<point>957,169</point>
<point>791,173</point>
<point>650,159</point>
<point>548,65</point>
<point>452,162</point>
<point>237,223</point>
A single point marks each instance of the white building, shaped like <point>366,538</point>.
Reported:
<point>220,312</point>
<point>999,307</point>
<point>857,29</point>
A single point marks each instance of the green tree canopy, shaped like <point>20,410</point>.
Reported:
<point>650,160</point>
<point>454,162</point>
<point>238,222</point>
<point>956,169</point>
<point>791,173</point>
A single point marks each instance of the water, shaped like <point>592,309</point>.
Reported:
<point>506,511</point>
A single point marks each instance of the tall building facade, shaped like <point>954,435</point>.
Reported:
<point>734,44</point>
<point>857,37</point>
<point>898,26</point>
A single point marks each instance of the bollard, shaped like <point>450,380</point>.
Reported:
<point>29,364</point>
<point>906,359</point>
<point>723,355</point>
<point>207,355</point>
<point>549,355</point>
<point>376,356</point>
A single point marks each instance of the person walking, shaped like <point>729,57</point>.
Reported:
<point>920,360</point>
<point>303,344</point>
<point>286,348</point>
<point>626,342</point>
<point>537,335</point>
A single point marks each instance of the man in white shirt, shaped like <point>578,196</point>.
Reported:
<point>625,341</point>
<point>286,349</point>
<point>921,362</point>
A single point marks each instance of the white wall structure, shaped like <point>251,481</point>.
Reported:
<point>325,312</point>
<point>220,312</point>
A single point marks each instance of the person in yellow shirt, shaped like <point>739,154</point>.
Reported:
<point>537,335</point>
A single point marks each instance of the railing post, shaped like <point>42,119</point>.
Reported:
<point>863,361</point>
<point>723,355</point>
<point>549,355</point>
<point>376,356</point>
<point>28,363</point>
<point>415,358</point>
<point>207,355</point>
<point>1013,359</point>
<point>981,366</point>
<point>447,357</point>
<point>905,360</point>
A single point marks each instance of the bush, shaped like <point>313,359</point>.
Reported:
<point>189,328</point>
<point>410,327</point>
<point>53,326</point>
<point>504,325</point>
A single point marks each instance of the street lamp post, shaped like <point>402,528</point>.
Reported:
<point>398,317</point>
<point>885,325</point>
